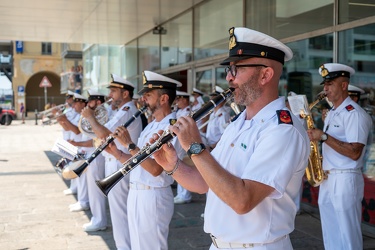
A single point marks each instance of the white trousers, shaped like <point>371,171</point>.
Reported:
<point>95,171</point>
<point>82,192</point>
<point>183,193</point>
<point>117,199</point>
<point>340,206</point>
<point>150,212</point>
<point>73,185</point>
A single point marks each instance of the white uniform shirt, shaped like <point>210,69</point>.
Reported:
<point>70,114</point>
<point>140,175</point>
<point>216,124</point>
<point>265,151</point>
<point>75,137</point>
<point>348,123</point>
<point>195,108</point>
<point>121,117</point>
<point>183,112</point>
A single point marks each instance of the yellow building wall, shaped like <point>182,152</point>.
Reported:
<point>30,63</point>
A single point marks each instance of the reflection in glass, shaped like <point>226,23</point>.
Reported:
<point>284,18</point>
<point>131,60</point>
<point>301,73</point>
<point>211,25</point>
<point>355,10</point>
<point>203,81</point>
<point>176,44</point>
<point>357,49</point>
<point>149,52</point>
<point>221,78</point>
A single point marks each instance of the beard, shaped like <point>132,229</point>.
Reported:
<point>249,91</point>
<point>153,108</point>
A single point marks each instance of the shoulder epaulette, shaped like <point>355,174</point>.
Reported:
<point>172,121</point>
<point>349,107</point>
<point>284,117</point>
<point>220,114</point>
<point>126,108</point>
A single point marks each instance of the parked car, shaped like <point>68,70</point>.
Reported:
<point>7,116</point>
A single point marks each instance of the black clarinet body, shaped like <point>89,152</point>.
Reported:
<point>110,181</point>
<point>105,144</point>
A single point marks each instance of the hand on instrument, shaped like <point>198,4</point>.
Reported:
<point>314,134</point>
<point>187,131</point>
<point>61,119</point>
<point>113,150</point>
<point>72,142</point>
<point>166,156</point>
<point>123,136</point>
<point>88,112</point>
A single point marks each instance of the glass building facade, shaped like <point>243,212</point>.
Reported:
<point>190,47</point>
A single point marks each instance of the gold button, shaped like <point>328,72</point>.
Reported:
<point>232,145</point>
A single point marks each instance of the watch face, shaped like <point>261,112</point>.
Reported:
<point>323,137</point>
<point>195,148</point>
<point>132,146</point>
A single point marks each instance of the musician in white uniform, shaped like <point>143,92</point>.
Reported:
<point>121,91</point>
<point>344,137</point>
<point>218,120</point>
<point>95,171</point>
<point>255,170</point>
<point>184,109</point>
<point>196,103</point>
<point>80,102</point>
<point>150,202</point>
<point>70,113</point>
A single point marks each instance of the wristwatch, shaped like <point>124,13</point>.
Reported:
<point>195,149</point>
<point>131,147</point>
<point>323,137</point>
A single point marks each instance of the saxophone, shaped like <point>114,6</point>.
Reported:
<point>314,172</point>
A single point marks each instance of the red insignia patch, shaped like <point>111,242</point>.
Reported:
<point>239,52</point>
<point>126,108</point>
<point>220,115</point>
<point>284,117</point>
<point>349,107</point>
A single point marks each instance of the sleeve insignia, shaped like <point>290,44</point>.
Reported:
<point>220,115</point>
<point>172,121</point>
<point>349,107</point>
<point>126,108</point>
<point>284,117</point>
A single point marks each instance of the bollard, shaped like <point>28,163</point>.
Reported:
<point>6,118</point>
<point>36,117</point>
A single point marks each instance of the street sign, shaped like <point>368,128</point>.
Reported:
<point>21,90</point>
<point>45,83</point>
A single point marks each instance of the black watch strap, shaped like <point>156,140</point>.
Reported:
<point>195,149</point>
<point>131,147</point>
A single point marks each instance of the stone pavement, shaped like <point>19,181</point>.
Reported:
<point>34,212</point>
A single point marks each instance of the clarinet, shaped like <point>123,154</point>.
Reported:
<point>109,139</point>
<point>106,184</point>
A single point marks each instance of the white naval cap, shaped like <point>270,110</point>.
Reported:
<point>79,98</point>
<point>95,95</point>
<point>218,91</point>
<point>182,94</point>
<point>119,82</point>
<point>354,91</point>
<point>197,91</point>
<point>136,96</point>
<point>352,88</point>
<point>69,94</point>
<point>330,71</point>
<point>152,80</point>
<point>245,43</point>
